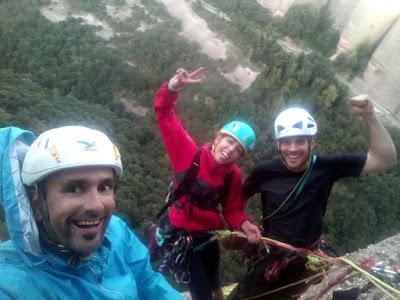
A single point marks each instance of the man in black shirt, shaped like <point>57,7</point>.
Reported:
<point>295,189</point>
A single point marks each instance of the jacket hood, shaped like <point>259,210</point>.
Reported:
<point>20,220</point>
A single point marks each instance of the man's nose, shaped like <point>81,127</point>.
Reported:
<point>292,146</point>
<point>94,200</point>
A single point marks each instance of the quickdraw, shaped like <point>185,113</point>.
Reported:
<point>178,253</point>
<point>178,249</point>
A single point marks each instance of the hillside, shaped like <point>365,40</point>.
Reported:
<point>353,20</point>
<point>99,63</point>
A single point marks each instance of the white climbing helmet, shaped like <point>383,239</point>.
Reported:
<point>294,122</point>
<point>68,147</point>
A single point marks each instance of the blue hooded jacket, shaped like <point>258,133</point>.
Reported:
<point>119,269</point>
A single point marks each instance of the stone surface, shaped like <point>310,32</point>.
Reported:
<point>385,255</point>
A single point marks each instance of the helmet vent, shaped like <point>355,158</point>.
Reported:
<point>294,121</point>
<point>298,125</point>
<point>47,143</point>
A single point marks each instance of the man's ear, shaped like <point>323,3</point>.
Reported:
<point>312,143</point>
<point>34,198</point>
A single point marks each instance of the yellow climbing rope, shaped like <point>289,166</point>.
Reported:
<point>317,261</point>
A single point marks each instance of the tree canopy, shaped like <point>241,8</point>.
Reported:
<point>60,73</point>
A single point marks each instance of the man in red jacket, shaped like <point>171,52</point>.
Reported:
<point>215,191</point>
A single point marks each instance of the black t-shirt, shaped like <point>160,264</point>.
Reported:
<point>300,224</point>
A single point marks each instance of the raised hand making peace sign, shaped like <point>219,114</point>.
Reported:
<point>182,78</point>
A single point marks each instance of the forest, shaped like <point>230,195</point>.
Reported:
<point>61,73</point>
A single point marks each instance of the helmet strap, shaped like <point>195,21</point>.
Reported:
<point>48,231</point>
<point>47,234</point>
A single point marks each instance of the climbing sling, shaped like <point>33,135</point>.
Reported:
<point>151,231</point>
<point>177,243</point>
<point>292,196</point>
<point>183,187</point>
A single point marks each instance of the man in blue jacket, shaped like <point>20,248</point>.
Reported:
<point>65,243</point>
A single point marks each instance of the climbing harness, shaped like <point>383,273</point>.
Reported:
<point>153,235</point>
<point>177,243</point>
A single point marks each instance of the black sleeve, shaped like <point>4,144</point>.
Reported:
<point>347,165</point>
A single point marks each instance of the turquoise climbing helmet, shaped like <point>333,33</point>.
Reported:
<point>242,133</point>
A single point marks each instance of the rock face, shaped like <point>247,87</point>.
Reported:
<point>385,255</point>
<point>358,21</point>
<point>341,11</point>
<point>381,80</point>
<point>196,29</point>
<point>373,21</point>
<point>362,20</point>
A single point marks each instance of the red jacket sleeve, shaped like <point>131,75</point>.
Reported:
<point>179,145</point>
<point>233,204</point>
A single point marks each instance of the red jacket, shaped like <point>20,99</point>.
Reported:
<point>181,150</point>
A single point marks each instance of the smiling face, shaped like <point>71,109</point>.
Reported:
<point>296,151</point>
<point>226,150</point>
<point>80,203</point>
